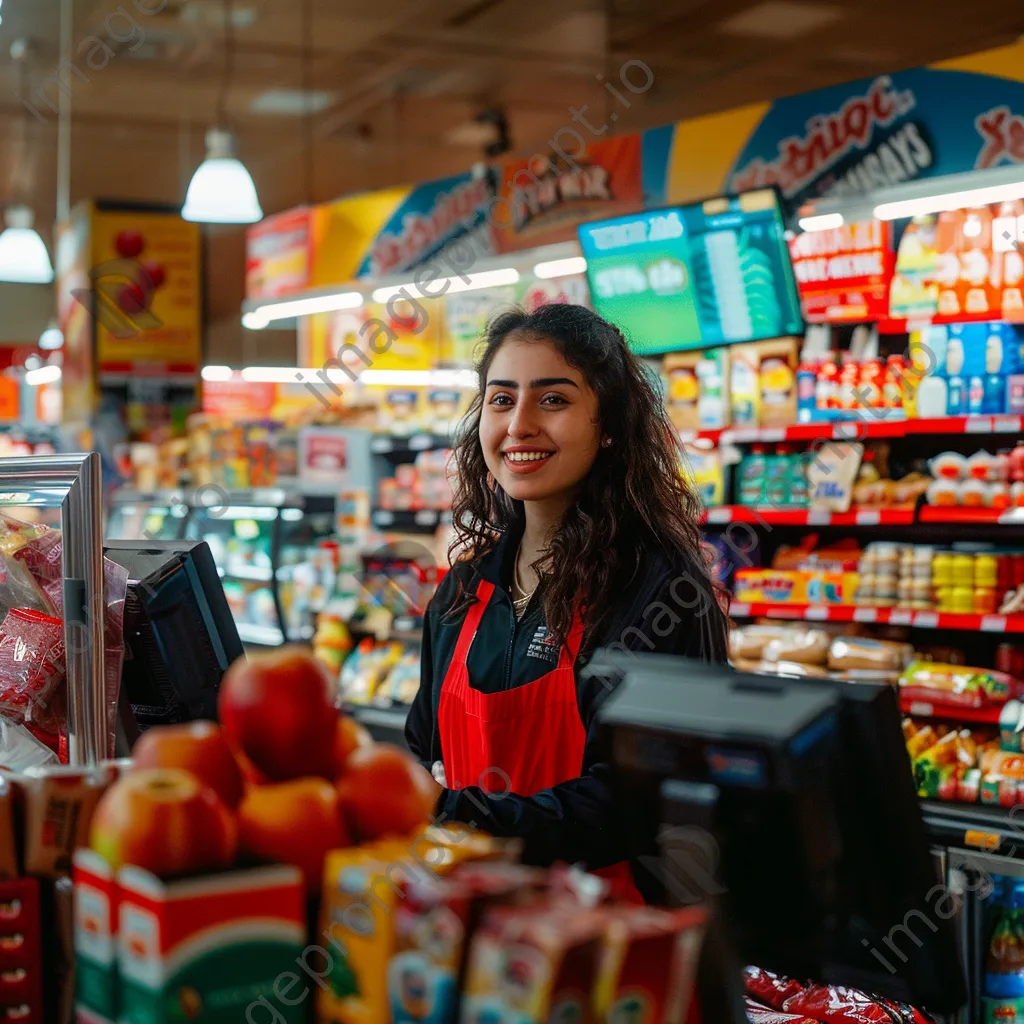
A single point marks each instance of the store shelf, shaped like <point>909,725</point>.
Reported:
<point>262,636</point>
<point>976,827</point>
<point>387,444</point>
<point>890,616</point>
<point>971,516</point>
<point>891,424</point>
<point>425,520</point>
<point>766,515</point>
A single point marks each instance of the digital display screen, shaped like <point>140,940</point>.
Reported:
<point>688,277</point>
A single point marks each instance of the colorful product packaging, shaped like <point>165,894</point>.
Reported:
<point>682,398</point>
<point>745,386</point>
<point>21,958</point>
<point>795,586</point>
<point>713,407</point>
<point>776,370</point>
<point>211,949</point>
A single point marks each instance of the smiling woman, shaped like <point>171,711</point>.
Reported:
<point>576,530</point>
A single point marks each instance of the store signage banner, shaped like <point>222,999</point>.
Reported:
<point>149,325</point>
<point>239,399</point>
<point>844,273</point>
<point>73,259</point>
<point>546,197</point>
<point>957,116</point>
<point>278,255</point>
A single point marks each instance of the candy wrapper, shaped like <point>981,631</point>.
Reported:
<point>758,1014</point>
<point>768,988</point>
<point>32,656</point>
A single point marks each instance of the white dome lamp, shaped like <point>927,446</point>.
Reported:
<point>23,255</point>
<point>221,190</point>
<point>52,337</point>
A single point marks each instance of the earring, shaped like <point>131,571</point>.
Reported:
<point>606,443</point>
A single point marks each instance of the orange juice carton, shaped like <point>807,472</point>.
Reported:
<point>529,965</point>
<point>648,964</point>
<point>21,957</point>
<point>213,949</point>
<point>433,924</point>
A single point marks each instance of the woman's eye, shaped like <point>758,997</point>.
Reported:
<point>553,400</point>
<point>501,400</point>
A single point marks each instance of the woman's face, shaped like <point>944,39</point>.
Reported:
<point>539,426</point>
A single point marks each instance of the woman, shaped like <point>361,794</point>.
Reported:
<point>577,532</point>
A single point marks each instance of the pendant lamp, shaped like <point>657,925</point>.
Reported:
<point>23,255</point>
<point>222,190</point>
<point>52,337</point>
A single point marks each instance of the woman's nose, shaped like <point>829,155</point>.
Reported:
<point>523,423</point>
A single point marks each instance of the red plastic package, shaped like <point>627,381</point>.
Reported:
<point>768,988</point>
<point>758,1014</point>
<point>31,665</point>
<point>834,1004</point>
<point>907,1014</point>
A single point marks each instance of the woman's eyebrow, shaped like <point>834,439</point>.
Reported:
<point>514,384</point>
<point>547,382</point>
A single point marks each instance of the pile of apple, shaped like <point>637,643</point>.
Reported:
<point>285,778</point>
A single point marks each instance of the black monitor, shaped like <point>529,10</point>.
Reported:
<point>790,803</point>
<point>179,635</point>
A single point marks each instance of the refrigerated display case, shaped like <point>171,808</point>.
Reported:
<point>134,515</point>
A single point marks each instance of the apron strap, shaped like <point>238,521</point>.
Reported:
<point>472,622</point>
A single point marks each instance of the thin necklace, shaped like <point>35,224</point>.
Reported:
<point>523,601</point>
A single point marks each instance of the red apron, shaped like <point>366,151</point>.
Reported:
<point>528,738</point>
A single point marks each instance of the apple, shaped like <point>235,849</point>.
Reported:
<point>166,821</point>
<point>385,792</point>
<point>156,273</point>
<point>276,708</point>
<point>131,299</point>
<point>199,748</point>
<point>295,822</point>
<point>350,737</point>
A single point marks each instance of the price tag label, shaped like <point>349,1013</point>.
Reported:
<point>993,624</point>
<point>818,517</point>
<point>382,517</point>
<point>869,517</point>
<point>741,434</point>
<point>380,445</point>
<point>901,617</point>
<point>740,609</point>
<point>981,840</point>
<point>1006,424</point>
<point>847,431</point>
<point>919,707</point>
<point>420,442</point>
<point>719,515</point>
<point>978,425</point>
<point>772,434</point>
<point>865,614</point>
<point>817,613</point>
<point>426,517</point>
<point>927,620</point>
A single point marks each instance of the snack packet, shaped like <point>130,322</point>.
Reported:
<point>769,988</point>
<point>758,1014</point>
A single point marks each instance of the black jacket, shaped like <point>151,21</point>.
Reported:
<point>664,608</point>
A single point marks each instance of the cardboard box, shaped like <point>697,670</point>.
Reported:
<point>682,389</point>
<point>795,586</point>
<point>210,949</point>
<point>776,376</point>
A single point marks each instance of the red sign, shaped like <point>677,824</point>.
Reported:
<point>843,274</point>
<point>238,399</point>
<point>278,255</point>
<point>547,196</point>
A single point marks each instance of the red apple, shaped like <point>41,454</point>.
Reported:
<point>295,822</point>
<point>276,708</point>
<point>166,821</point>
<point>350,737</point>
<point>385,792</point>
<point>199,748</point>
<point>129,244</point>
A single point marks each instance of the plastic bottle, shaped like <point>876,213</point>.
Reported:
<point>1004,974</point>
<point>777,488</point>
<point>932,398</point>
<point>806,393</point>
<point>799,491</point>
<point>752,477</point>
<point>994,400</point>
<point>957,397</point>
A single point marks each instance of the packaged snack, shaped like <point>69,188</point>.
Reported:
<point>769,988</point>
<point>955,685</point>
<point>758,1014</point>
<point>834,1004</point>
<point>58,803</point>
<point>864,653</point>
<point>921,741</point>
<point>808,647</point>
<point>750,641</point>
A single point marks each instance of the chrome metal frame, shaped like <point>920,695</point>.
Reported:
<point>73,483</point>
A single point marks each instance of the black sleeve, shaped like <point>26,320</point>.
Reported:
<point>420,726</point>
<point>578,820</point>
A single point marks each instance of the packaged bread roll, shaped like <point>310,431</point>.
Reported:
<point>749,642</point>
<point>864,653</point>
<point>808,647</point>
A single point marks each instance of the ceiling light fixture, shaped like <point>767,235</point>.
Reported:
<point>387,378</point>
<point>222,191</point>
<point>44,375</point>
<point>52,337</point>
<point>966,199</point>
<point>23,255</point>
<point>217,373</point>
<point>821,222</point>
<point>262,316</point>
<point>434,289</point>
<point>560,268</point>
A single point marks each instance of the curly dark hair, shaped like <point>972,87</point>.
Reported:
<point>633,500</point>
